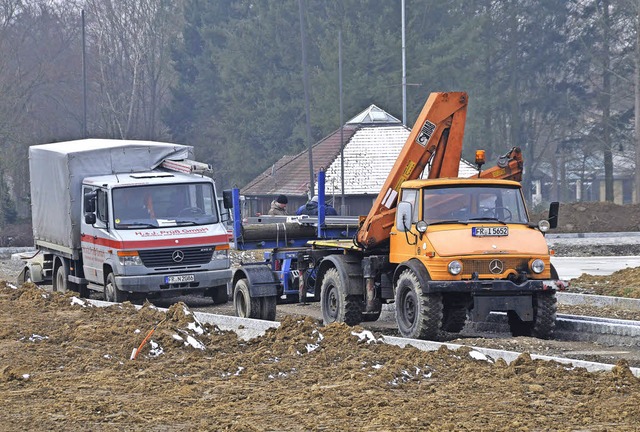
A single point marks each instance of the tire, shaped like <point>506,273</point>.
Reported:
<point>544,318</point>
<point>61,283</point>
<point>111,291</point>
<point>554,273</point>
<point>268,308</point>
<point>418,315</point>
<point>244,305</point>
<point>219,294</point>
<point>335,304</point>
<point>454,318</point>
<point>545,315</point>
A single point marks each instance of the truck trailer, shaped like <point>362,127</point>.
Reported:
<point>126,218</point>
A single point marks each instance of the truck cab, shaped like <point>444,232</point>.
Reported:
<point>479,249</point>
<point>154,232</point>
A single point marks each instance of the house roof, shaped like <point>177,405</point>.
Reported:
<point>290,174</point>
<point>373,140</point>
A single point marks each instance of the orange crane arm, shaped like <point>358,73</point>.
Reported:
<point>436,136</point>
<point>509,166</point>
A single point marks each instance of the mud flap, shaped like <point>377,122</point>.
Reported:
<point>483,305</point>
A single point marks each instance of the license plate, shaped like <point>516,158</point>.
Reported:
<point>490,231</point>
<point>179,279</point>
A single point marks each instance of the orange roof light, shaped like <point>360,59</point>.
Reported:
<point>480,160</point>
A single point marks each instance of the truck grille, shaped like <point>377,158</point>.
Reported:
<point>176,257</point>
<point>483,266</point>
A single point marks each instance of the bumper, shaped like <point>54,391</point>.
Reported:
<point>156,282</point>
<point>489,287</point>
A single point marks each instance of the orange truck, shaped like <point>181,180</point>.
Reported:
<point>442,248</point>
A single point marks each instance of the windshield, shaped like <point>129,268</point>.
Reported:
<point>469,203</point>
<point>154,206</point>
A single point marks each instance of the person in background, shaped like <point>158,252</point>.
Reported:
<point>311,208</point>
<point>279,206</point>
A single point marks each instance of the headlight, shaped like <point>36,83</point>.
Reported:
<point>544,225</point>
<point>537,266</point>
<point>455,267</point>
<point>421,226</point>
<point>129,258</point>
<point>220,254</point>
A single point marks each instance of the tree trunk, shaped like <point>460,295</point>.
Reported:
<point>606,102</point>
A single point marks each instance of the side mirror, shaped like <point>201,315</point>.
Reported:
<point>554,209</point>
<point>404,213</point>
<point>227,199</point>
<point>90,202</point>
<point>90,218</point>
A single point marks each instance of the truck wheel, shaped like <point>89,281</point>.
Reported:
<point>418,315</point>
<point>454,318</point>
<point>219,294</point>
<point>545,315</point>
<point>60,283</point>
<point>554,273</point>
<point>245,306</point>
<point>268,308</point>
<point>111,291</point>
<point>335,304</point>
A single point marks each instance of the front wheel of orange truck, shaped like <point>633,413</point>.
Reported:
<point>418,315</point>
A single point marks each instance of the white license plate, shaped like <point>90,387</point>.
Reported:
<point>490,231</point>
<point>179,279</point>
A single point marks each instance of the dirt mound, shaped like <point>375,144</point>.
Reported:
<point>65,365</point>
<point>595,217</point>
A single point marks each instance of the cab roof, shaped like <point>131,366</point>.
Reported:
<point>456,181</point>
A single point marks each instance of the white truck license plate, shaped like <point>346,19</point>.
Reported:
<point>490,231</point>
<point>179,279</point>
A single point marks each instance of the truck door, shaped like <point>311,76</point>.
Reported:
<point>95,237</point>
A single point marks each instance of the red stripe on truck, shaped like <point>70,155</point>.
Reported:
<point>156,243</point>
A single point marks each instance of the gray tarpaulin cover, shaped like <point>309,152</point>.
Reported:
<point>57,171</point>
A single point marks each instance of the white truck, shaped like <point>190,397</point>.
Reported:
<point>127,218</point>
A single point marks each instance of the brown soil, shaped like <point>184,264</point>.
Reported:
<point>68,367</point>
<point>595,217</point>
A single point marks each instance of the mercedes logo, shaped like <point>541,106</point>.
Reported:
<point>177,256</point>
<point>496,266</point>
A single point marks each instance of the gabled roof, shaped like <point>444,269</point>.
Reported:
<point>373,140</point>
<point>373,114</point>
<point>290,174</point>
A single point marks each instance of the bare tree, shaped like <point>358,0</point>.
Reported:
<point>130,43</point>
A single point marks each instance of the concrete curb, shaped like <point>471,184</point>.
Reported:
<point>250,328</point>
<point>507,356</point>
<point>572,299</point>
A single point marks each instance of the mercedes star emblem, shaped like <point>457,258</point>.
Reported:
<point>496,266</point>
<point>177,256</point>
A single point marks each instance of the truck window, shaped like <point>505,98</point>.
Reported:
<point>411,196</point>
<point>164,205</point>
<point>102,207</point>
<point>474,203</point>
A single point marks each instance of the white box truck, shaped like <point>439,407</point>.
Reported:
<point>127,218</point>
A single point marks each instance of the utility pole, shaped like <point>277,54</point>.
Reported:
<point>305,79</point>
<point>342,205</point>
<point>84,80</point>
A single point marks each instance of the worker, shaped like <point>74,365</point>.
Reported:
<point>311,208</point>
<point>279,206</point>
<point>132,203</point>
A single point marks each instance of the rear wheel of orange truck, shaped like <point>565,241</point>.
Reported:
<point>418,315</point>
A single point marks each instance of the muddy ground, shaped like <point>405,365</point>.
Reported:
<point>67,366</point>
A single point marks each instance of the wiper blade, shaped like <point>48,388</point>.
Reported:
<point>450,221</point>
<point>138,224</point>
<point>186,222</point>
<point>488,219</point>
